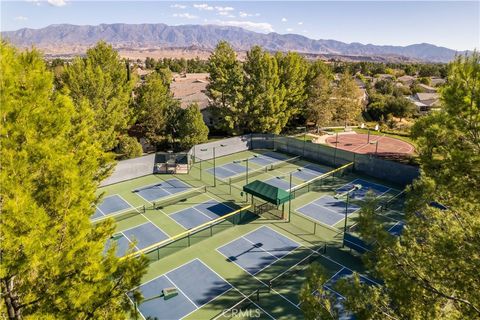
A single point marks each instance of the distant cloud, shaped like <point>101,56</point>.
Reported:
<point>57,3</point>
<point>178,6</point>
<point>300,23</point>
<point>284,19</point>
<point>185,15</point>
<point>35,2</point>
<point>222,11</point>
<point>21,18</point>
<point>249,25</point>
<point>203,6</point>
<point>289,29</point>
<point>243,14</point>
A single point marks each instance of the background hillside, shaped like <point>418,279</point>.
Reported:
<point>74,39</point>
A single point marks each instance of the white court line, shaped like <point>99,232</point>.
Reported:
<point>276,260</point>
<point>99,210</point>
<point>165,275</point>
<point>116,213</point>
<point>131,242</point>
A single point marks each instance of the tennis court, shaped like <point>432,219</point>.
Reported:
<point>377,189</point>
<point>141,236</point>
<point>327,210</point>
<point>309,172</point>
<point>161,190</point>
<point>201,213</point>
<point>196,283</point>
<point>258,249</point>
<point>110,206</point>
<point>228,170</point>
<point>280,183</point>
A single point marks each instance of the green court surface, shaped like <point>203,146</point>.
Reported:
<point>256,295</point>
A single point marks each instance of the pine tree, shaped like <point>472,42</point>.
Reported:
<point>264,97</point>
<point>292,72</point>
<point>101,79</point>
<point>53,263</point>
<point>152,102</point>
<point>431,271</point>
<point>225,88</point>
<point>192,128</point>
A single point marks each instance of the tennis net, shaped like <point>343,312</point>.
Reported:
<point>315,183</point>
<point>263,169</point>
<point>192,236</point>
<point>121,215</point>
<point>178,197</point>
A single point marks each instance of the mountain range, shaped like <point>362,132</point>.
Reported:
<point>67,38</point>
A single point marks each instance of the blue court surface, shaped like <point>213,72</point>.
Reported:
<point>228,170</point>
<point>161,190</point>
<point>258,249</point>
<point>143,236</point>
<point>397,229</point>
<point>330,284</point>
<point>280,183</point>
<point>309,172</point>
<point>377,189</point>
<point>111,205</point>
<point>327,210</point>
<point>346,273</point>
<point>196,283</point>
<point>268,158</point>
<point>200,213</point>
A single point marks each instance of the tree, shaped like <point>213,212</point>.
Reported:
<point>320,106</point>
<point>101,79</point>
<point>53,261</point>
<point>225,88</point>
<point>192,129</point>
<point>264,97</point>
<point>292,69</point>
<point>129,147</point>
<point>152,103</point>
<point>431,271</point>
<point>347,99</point>
<point>399,107</point>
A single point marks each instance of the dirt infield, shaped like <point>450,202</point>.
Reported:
<point>360,143</point>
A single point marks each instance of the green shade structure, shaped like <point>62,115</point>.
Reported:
<point>267,192</point>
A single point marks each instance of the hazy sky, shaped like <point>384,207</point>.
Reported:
<point>453,24</point>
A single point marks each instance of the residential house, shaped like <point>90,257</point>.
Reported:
<point>426,102</point>
<point>406,80</point>
<point>427,89</point>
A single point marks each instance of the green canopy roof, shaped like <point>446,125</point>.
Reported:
<point>267,192</point>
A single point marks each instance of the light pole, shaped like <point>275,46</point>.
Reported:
<point>290,192</point>
<point>304,137</point>
<point>376,146</point>
<point>347,193</point>
<point>335,151</point>
<point>246,161</point>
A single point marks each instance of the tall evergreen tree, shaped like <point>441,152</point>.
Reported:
<point>292,72</point>
<point>225,88</point>
<point>152,103</point>
<point>192,129</point>
<point>347,99</point>
<point>53,264</point>
<point>431,271</point>
<point>264,97</point>
<point>101,79</point>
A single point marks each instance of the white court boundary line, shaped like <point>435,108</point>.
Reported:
<point>273,262</point>
<point>321,206</point>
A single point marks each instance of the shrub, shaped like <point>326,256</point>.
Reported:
<point>129,147</point>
